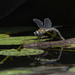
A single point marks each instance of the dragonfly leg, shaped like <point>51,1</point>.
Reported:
<point>53,35</point>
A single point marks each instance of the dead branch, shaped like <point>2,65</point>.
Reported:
<point>41,45</point>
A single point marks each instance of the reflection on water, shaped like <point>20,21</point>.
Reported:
<point>47,67</point>
<point>67,57</point>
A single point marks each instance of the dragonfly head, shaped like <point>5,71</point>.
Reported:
<point>36,33</point>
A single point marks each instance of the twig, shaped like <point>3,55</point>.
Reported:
<point>41,45</point>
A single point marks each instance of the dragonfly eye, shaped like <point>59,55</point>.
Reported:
<point>36,32</point>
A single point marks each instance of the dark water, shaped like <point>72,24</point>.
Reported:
<point>41,64</point>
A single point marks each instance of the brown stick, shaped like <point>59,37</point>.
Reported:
<point>41,45</point>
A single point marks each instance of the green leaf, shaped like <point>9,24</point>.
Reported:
<point>3,36</point>
<point>71,46</point>
<point>15,72</point>
<point>23,52</point>
<point>72,69</point>
<point>67,46</point>
<point>19,40</point>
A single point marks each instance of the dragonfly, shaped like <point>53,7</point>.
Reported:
<point>46,27</point>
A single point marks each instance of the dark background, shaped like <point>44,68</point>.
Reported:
<point>21,13</point>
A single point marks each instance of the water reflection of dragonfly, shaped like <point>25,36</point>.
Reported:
<point>46,27</point>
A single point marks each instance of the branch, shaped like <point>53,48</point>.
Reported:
<point>42,45</point>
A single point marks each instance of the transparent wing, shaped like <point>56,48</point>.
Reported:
<point>47,22</point>
<point>38,22</point>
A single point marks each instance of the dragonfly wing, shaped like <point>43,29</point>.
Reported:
<point>38,22</point>
<point>47,23</point>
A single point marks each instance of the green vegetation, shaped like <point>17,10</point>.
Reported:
<point>15,72</point>
<point>3,36</point>
<point>17,40</point>
<point>22,52</point>
<point>72,69</point>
